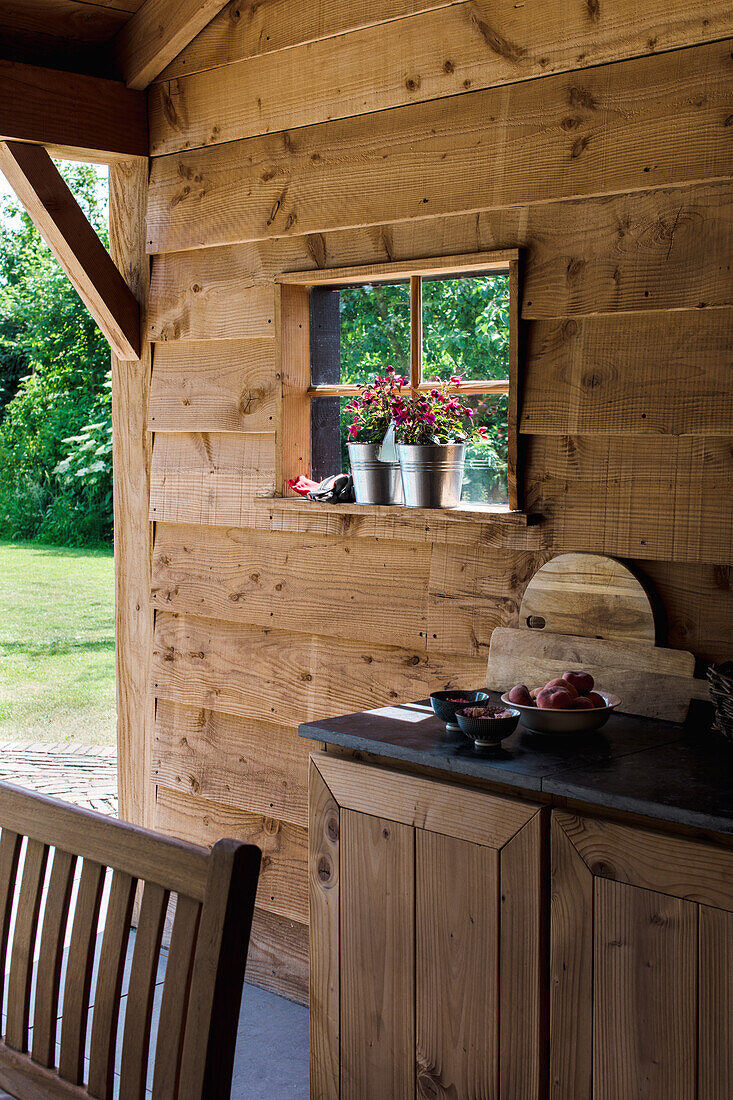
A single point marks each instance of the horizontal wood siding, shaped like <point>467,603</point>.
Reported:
<point>615,128</point>
<point>227,386</point>
<point>586,34</point>
<point>284,676</point>
<point>233,761</point>
<point>282,886</point>
<point>665,497</point>
<point>586,375</point>
<point>597,138</point>
<point>643,252</point>
<point>210,477</point>
<point>471,45</point>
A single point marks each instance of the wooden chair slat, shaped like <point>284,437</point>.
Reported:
<point>218,972</point>
<point>173,863</point>
<point>50,957</point>
<point>136,1041</point>
<point>174,1005</point>
<point>79,972</point>
<point>105,1018</point>
<point>10,845</point>
<point>24,943</point>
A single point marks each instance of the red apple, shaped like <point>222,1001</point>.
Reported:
<point>564,685</point>
<point>596,699</point>
<point>554,699</point>
<point>581,681</point>
<point>582,702</point>
<point>520,694</point>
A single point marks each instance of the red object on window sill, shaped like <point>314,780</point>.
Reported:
<point>302,485</point>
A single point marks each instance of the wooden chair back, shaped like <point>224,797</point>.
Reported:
<point>54,1043</point>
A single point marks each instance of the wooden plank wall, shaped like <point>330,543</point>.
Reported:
<point>597,137</point>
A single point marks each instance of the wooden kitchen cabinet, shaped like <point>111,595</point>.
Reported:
<point>641,964</point>
<point>427,966</point>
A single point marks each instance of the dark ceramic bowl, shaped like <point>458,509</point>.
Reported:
<point>488,732</point>
<point>445,708</point>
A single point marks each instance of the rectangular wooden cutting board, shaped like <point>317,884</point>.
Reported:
<point>651,681</point>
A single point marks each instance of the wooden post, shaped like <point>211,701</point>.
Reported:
<point>134,620</point>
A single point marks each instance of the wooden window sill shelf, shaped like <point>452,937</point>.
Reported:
<point>467,513</point>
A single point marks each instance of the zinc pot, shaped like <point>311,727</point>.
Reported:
<point>432,474</point>
<point>375,482</point>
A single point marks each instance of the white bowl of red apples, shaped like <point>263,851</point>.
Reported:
<point>567,704</point>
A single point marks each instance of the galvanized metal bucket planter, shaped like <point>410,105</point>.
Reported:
<point>375,482</point>
<point>432,474</point>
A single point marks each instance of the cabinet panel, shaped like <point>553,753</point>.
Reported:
<point>645,994</point>
<point>641,968</point>
<point>456,968</point>
<point>523,964</point>
<point>427,929</point>
<point>377,960</point>
<point>716,1004</point>
<point>571,969</point>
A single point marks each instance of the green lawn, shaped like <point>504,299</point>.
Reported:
<point>57,644</point>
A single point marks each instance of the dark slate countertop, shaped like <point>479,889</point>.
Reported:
<point>679,774</point>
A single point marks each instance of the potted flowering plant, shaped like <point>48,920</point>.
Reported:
<point>375,481</point>
<point>433,430</point>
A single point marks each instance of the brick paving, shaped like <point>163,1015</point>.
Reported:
<point>83,774</point>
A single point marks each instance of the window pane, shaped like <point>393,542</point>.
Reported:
<point>325,438</point>
<point>359,331</point>
<point>329,436</point>
<point>485,478</point>
<point>325,335</point>
<point>466,327</point>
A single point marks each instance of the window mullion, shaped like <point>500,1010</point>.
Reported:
<point>415,333</point>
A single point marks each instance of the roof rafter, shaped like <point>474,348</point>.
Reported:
<point>157,33</point>
<point>61,222</point>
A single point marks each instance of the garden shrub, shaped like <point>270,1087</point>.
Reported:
<point>55,408</point>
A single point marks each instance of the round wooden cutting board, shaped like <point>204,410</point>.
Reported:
<point>588,611</point>
<point>588,596</point>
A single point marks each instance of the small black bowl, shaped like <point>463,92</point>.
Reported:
<point>445,709</point>
<point>487,733</point>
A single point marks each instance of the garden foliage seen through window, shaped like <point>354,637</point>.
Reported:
<point>358,331</point>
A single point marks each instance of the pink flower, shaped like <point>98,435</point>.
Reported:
<point>456,379</point>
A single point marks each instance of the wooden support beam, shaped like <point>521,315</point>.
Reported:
<point>156,34</point>
<point>132,452</point>
<point>61,222</point>
<point>72,114</point>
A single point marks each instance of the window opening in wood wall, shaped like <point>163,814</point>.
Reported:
<point>429,320</point>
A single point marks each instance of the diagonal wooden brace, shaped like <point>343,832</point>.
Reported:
<point>61,222</point>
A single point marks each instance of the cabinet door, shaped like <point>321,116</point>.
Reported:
<point>641,982</point>
<point>422,895</point>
